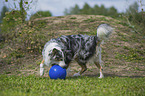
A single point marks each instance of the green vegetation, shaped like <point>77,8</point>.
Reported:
<point>41,14</point>
<point>30,39</point>
<point>21,44</point>
<point>26,40</point>
<point>135,19</point>
<point>132,17</point>
<point>11,20</point>
<point>4,10</point>
<point>109,86</point>
<point>96,10</point>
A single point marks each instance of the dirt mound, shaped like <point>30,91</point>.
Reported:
<point>123,54</point>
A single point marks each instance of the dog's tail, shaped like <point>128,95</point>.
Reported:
<point>103,32</point>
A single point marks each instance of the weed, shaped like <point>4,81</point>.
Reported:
<point>89,70</point>
<point>122,37</point>
<point>122,23</point>
<point>131,55</point>
<point>116,46</point>
<point>73,18</point>
<point>90,20</point>
<point>103,19</point>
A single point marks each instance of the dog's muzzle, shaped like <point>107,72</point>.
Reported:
<point>62,64</point>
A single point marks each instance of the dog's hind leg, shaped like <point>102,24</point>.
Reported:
<point>84,68</point>
<point>99,61</point>
<point>42,68</point>
<point>100,68</point>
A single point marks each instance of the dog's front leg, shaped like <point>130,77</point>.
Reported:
<point>42,68</point>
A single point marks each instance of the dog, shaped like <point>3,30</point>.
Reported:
<point>81,48</point>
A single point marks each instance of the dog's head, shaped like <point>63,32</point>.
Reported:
<point>57,57</point>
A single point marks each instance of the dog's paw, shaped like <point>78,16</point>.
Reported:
<point>76,74</point>
<point>101,77</point>
<point>41,71</point>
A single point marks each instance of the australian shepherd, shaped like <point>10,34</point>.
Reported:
<point>81,48</point>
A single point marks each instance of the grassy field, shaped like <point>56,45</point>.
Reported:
<point>72,86</point>
<point>123,56</point>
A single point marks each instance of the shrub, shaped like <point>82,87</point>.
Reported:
<point>136,19</point>
<point>40,14</point>
<point>11,19</point>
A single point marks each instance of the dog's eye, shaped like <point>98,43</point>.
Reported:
<point>49,54</point>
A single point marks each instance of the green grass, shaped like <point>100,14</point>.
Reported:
<point>21,52</point>
<point>81,86</point>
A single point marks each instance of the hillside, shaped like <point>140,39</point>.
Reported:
<point>123,54</point>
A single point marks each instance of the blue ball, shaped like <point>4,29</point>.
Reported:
<point>57,72</point>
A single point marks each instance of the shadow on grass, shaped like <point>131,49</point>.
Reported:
<point>105,75</point>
